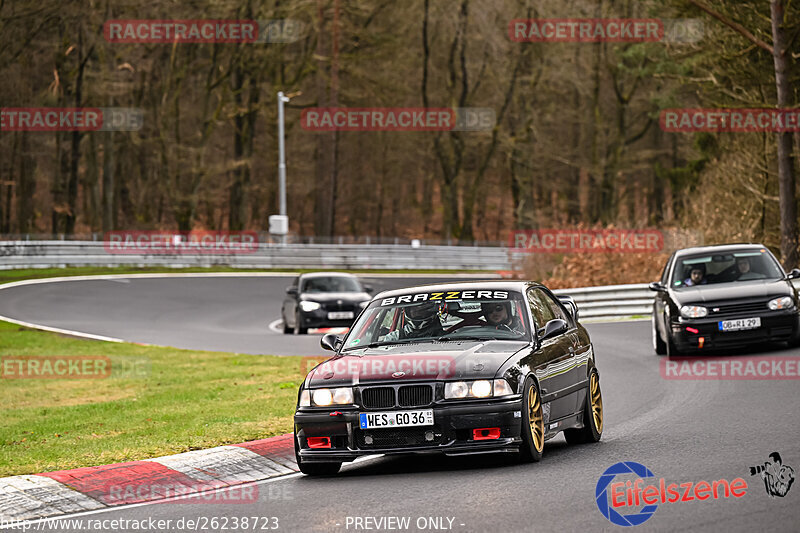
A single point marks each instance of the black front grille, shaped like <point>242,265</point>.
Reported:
<point>377,397</point>
<point>730,309</point>
<point>334,306</point>
<point>397,437</point>
<point>415,395</point>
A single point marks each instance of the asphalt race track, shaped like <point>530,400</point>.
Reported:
<point>682,430</point>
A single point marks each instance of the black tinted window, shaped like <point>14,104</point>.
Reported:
<point>331,284</point>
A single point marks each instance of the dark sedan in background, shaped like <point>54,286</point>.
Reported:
<point>455,369</point>
<point>721,296</point>
<point>323,299</point>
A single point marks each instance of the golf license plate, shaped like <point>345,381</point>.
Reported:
<point>394,419</point>
<point>739,324</point>
<point>340,315</point>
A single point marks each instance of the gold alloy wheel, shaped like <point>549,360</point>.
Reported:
<point>597,402</point>
<point>535,417</point>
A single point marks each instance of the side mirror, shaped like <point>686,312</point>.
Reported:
<point>794,274</point>
<point>367,288</point>
<point>330,342</point>
<point>571,306</point>
<point>291,291</point>
<point>657,286</point>
<point>553,328</point>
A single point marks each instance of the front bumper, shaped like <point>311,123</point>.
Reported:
<point>452,430</point>
<point>319,319</point>
<point>776,326</point>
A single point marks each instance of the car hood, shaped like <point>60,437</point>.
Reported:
<point>733,291</point>
<point>333,296</point>
<point>418,361</point>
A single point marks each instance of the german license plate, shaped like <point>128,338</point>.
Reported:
<point>340,315</point>
<point>739,324</point>
<point>395,419</point>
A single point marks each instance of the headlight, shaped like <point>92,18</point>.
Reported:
<point>458,389</point>
<point>482,388</point>
<point>784,302</point>
<point>305,398</point>
<point>693,311</point>
<point>502,388</point>
<point>326,397</point>
<point>307,306</point>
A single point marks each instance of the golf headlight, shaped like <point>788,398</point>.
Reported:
<point>784,302</point>
<point>326,397</point>
<point>693,311</point>
<point>482,388</point>
<point>307,306</point>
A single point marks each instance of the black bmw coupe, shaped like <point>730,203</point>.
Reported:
<point>460,368</point>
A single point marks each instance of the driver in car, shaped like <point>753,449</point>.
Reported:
<point>421,321</point>
<point>498,314</point>
<point>743,265</point>
<point>697,276</point>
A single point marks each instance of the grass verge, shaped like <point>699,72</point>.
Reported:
<point>175,401</point>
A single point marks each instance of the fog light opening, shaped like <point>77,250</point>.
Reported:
<point>368,439</point>
<point>486,434</point>
<point>319,442</point>
<point>429,436</point>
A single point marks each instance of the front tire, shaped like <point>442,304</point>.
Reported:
<point>315,469</point>
<point>592,428</point>
<point>286,329</point>
<point>530,451</point>
<point>659,345</point>
<point>298,330</point>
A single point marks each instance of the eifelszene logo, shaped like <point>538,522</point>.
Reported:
<point>778,477</point>
<point>633,495</point>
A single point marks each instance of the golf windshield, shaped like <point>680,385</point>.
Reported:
<point>708,269</point>
<point>453,315</point>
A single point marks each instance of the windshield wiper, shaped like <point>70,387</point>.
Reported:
<point>446,338</point>
<point>389,343</point>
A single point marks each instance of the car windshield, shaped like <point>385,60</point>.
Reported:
<point>730,267</point>
<point>450,315</point>
<point>331,284</point>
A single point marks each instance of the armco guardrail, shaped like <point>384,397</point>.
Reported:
<point>616,301</point>
<point>45,254</point>
<point>594,303</point>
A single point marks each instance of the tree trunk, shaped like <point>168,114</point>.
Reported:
<point>786,177</point>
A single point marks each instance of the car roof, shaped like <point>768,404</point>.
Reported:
<point>326,274</point>
<point>720,248</point>
<point>463,285</point>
